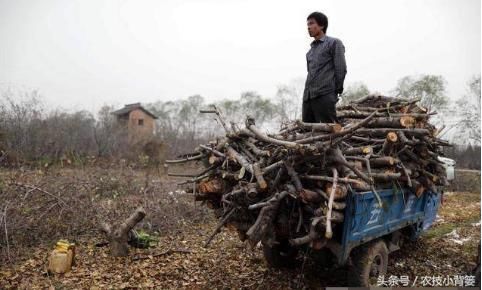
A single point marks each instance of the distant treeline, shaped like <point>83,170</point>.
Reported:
<point>30,133</point>
<point>466,156</point>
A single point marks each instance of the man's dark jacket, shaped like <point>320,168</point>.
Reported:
<point>326,68</point>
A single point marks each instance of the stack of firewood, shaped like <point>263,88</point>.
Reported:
<point>292,185</point>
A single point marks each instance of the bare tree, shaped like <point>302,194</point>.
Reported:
<point>19,120</point>
<point>468,107</point>
<point>180,124</point>
<point>353,92</point>
<point>431,88</point>
<point>287,100</point>
<point>262,109</point>
<point>109,136</point>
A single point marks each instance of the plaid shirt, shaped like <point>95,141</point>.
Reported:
<point>326,68</point>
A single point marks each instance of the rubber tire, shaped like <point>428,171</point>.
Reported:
<point>362,259</point>
<point>281,255</point>
<point>323,258</point>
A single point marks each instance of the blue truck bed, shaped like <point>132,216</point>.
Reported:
<point>365,220</point>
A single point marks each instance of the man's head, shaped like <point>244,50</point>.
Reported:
<point>317,24</point>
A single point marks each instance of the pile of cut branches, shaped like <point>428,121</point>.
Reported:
<point>292,186</point>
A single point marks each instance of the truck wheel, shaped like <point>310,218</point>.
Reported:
<point>369,262</point>
<point>324,258</point>
<point>280,255</point>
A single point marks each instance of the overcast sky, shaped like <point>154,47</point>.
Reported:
<point>87,53</point>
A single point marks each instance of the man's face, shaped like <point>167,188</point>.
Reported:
<point>313,28</point>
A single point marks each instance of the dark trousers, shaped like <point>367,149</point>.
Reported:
<point>320,110</point>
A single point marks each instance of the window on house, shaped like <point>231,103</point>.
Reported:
<point>140,122</point>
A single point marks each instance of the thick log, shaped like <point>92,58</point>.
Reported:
<point>310,196</point>
<point>344,132</point>
<point>418,132</point>
<point>417,188</point>
<point>363,150</point>
<point>352,114</point>
<point>387,176</point>
<point>323,127</point>
<point>340,190</point>
<point>392,122</point>
<point>303,126</point>
<point>356,163</point>
<point>389,144</point>
<point>259,176</point>
<point>265,218</point>
<point>383,161</point>
<point>240,159</point>
<point>216,185</point>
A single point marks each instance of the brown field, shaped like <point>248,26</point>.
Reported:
<point>43,206</point>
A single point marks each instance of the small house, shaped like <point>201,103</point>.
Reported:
<point>137,120</point>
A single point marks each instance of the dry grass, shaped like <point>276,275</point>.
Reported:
<point>43,207</point>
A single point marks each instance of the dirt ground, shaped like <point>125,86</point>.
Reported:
<point>73,201</point>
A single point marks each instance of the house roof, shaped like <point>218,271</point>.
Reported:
<point>130,107</point>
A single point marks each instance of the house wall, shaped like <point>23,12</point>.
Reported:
<point>138,132</point>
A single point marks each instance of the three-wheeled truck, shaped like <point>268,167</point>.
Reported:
<point>370,232</point>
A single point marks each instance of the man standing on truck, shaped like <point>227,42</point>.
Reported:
<point>326,72</point>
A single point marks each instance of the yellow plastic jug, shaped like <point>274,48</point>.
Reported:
<point>62,257</point>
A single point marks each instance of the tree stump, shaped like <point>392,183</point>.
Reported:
<point>119,236</point>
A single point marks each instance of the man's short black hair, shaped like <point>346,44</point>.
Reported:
<point>320,18</point>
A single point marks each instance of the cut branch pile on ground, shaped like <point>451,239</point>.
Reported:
<point>292,186</point>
